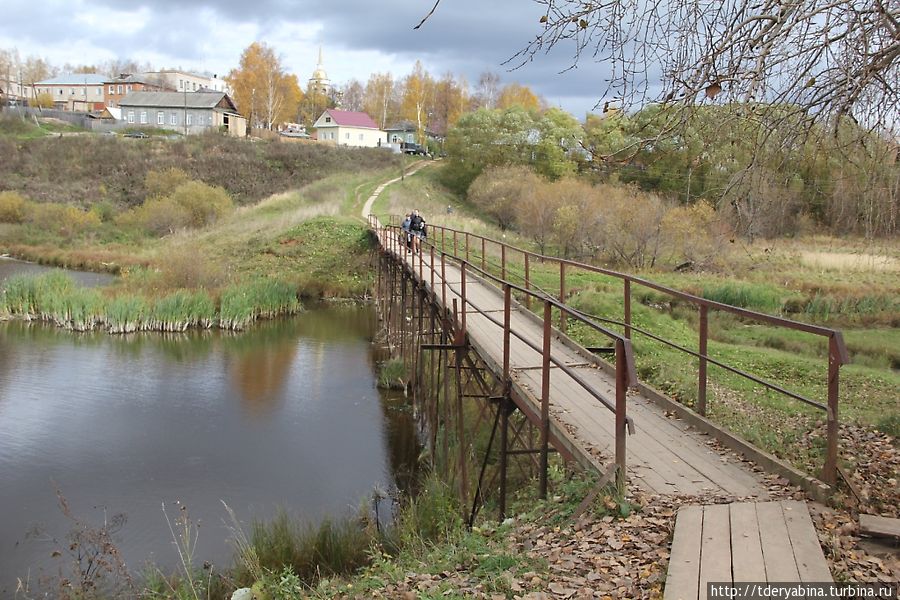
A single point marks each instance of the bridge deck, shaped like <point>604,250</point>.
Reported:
<point>743,542</point>
<point>664,456</point>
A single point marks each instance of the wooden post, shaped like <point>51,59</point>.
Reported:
<point>545,400</point>
<point>701,383</point>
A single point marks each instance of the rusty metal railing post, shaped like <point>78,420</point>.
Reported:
<point>455,244</point>
<point>467,246</point>
<point>431,252</point>
<point>483,255</point>
<point>545,400</point>
<point>503,262</point>
<point>562,296</point>
<point>463,293</point>
<point>628,308</point>
<point>507,298</point>
<point>527,282</point>
<point>621,391</point>
<point>444,282</point>
<point>701,383</point>
<point>829,473</point>
<point>443,234</point>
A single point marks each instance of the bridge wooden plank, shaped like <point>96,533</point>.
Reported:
<point>747,559</point>
<point>810,559</point>
<point>683,579</point>
<point>776,543</point>
<point>715,554</point>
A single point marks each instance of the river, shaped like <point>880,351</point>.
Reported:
<point>286,415</point>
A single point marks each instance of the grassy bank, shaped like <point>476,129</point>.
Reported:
<point>187,257</point>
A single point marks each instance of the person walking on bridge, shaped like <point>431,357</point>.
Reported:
<point>418,229</point>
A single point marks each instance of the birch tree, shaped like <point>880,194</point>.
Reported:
<point>262,90</point>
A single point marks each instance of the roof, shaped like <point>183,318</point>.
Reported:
<point>346,118</point>
<point>75,79</point>
<point>204,99</point>
<point>127,78</point>
<point>402,126</point>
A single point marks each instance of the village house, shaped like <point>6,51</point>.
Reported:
<point>182,81</point>
<point>347,128</point>
<point>182,112</point>
<point>81,92</point>
<point>405,133</point>
<point>117,88</point>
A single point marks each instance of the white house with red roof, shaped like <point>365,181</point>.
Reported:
<point>348,128</point>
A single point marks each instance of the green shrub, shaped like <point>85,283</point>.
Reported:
<point>65,220</point>
<point>335,547</point>
<point>159,217</point>
<point>160,184</point>
<point>12,207</point>
<point>205,204</point>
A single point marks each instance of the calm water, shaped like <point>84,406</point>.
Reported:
<point>284,415</point>
<point>11,266</point>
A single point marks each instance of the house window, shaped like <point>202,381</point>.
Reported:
<point>347,136</point>
<point>173,118</point>
<point>112,89</point>
<point>143,117</point>
<point>160,118</point>
<point>127,89</point>
<point>72,92</point>
<point>99,91</point>
<point>328,119</point>
<point>360,137</point>
<point>131,116</point>
<point>180,84</point>
<point>119,89</point>
<point>188,119</point>
<point>200,120</point>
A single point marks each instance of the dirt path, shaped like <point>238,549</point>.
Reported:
<point>367,207</point>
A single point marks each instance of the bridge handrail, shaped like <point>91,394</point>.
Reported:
<point>626,375</point>
<point>837,350</point>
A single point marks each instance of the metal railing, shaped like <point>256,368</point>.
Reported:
<point>431,270</point>
<point>461,243</point>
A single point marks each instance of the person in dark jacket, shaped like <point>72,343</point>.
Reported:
<point>418,229</point>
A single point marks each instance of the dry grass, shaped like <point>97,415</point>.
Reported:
<point>838,261</point>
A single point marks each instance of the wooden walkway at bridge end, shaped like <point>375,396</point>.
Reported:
<point>743,542</point>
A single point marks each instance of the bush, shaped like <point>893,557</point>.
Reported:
<point>204,204</point>
<point>500,191</point>
<point>159,217</point>
<point>164,183</point>
<point>67,221</point>
<point>12,207</point>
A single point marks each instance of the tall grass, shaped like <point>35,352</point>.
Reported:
<point>55,298</point>
<point>747,295</point>
<point>260,299</point>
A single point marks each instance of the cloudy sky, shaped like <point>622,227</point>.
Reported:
<point>358,37</point>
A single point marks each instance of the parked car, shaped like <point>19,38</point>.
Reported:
<point>411,148</point>
<point>137,134</point>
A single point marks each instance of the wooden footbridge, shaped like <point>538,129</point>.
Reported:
<point>459,319</point>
